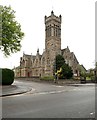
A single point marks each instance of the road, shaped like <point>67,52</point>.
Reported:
<point>51,101</point>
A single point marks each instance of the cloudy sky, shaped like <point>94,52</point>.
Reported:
<point>78,28</point>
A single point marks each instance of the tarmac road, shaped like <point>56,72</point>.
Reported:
<point>50,101</point>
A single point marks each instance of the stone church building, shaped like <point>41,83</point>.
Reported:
<point>43,65</point>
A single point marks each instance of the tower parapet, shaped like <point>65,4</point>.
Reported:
<point>53,17</point>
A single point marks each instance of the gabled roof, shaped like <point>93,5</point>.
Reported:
<point>26,55</point>
<point>83,67</point>
<point>63,50</point>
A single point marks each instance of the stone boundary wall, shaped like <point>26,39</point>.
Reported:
<point>61,82</point>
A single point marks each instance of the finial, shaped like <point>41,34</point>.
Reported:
<point>38,50</point>
<point>60,16</point>
<point>45,16</point>
<point>52,13</point>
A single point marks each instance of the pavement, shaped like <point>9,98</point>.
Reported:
<point>17,88</point>
<point>14,89</point>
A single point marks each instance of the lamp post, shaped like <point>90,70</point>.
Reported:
<point>54,70</point>
<point>95,74</point>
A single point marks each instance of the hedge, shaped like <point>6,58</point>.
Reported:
<point>7,76</point>
<point>47,78</point>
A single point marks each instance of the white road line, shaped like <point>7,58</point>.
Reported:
<point>59,86</point>
<point>92,113</point>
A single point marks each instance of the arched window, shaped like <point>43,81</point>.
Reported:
<point>36,62</point>
<point>54,30</point>
<point>50,30</point>
<point>59,31</point>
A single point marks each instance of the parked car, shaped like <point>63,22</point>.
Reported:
<point>83,80</point>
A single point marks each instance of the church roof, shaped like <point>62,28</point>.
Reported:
<point>82,67</point>
<point>63,50</point>
<point>28,56</point>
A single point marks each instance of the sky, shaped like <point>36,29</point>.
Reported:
<point>77,28</point>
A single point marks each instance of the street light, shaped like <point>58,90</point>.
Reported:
<point>95,74</point>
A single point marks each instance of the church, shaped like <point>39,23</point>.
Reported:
<point>43,65</point>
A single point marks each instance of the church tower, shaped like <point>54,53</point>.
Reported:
<point>52,40</point>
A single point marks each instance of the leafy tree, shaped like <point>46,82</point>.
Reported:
<point>59,61</point>
<point>66,69</point>
<point>11,32</point>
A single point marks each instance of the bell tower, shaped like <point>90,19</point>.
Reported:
<point>52,39</point>
<point>53,32</point>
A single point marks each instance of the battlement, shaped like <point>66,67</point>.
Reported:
<point>53,17</point>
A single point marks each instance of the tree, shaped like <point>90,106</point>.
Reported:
<point>11,32</point>
<point>59,61</point>
<point>66,69</point>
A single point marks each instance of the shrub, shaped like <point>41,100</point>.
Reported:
<point>47,78</point>
<point>7,77</point>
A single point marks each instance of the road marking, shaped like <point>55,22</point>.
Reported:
<point>92,113</point>
<point>50,92</point>
<point>76,89</point>
<point>59,86</point>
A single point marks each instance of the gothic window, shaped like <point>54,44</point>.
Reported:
<point>54,29</point>
<point>47,31</point>
<point>50,30</point>
<point>36,62</point>
<point>59,32</point>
